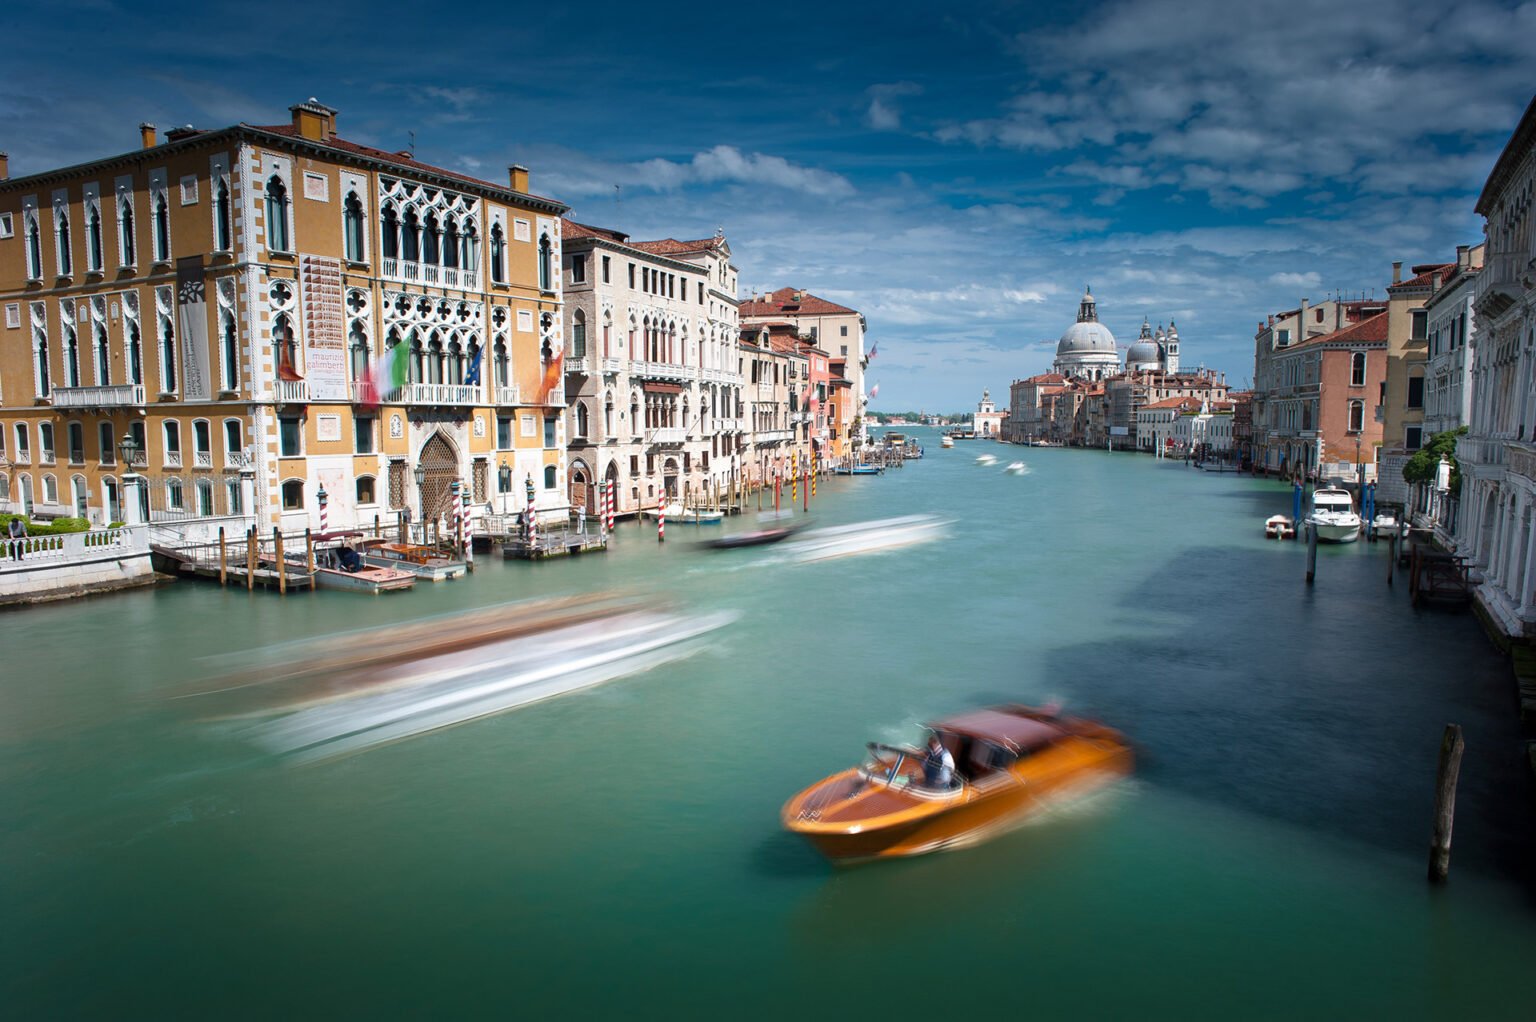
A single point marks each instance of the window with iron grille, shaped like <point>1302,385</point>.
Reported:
<point>396,485</point>
<point>480,476</point>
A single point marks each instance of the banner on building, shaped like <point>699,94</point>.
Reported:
<point>325,348</point>
<point>192,324</point>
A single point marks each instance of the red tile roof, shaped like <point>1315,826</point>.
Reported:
<point>1175,402</point>
<point>784,301</point>
<point>1424,275</point>
<point>384,156</point>
<point>671,246</point>
<point>571,229</point>
<point>1367,331</point>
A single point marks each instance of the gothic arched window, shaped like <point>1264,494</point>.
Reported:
<point>352,227</point>
<point>498,253</point>
<point>223,223</point>
<point>277,215</point>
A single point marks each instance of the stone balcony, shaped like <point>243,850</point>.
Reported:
<point>581,366</point>
<point>509,395</point>
<point>668,435</point>
<point>116,396</point>
<point>290,392</point>
<point>662,371</point>
<point>439,394</point>
<point>611,366</point>
<point>427,273</point>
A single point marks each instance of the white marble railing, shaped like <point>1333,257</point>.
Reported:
<point>611,365</point>
<point>291,392</point>
<point>669,435</point>
<point>439,394</point>
<point>1522,459</point>
<point>202,459</point>
<point>98,397</point>
<point>76,546</point>
<point>508,395</point>
<point>238,459</point>
<point>581,365</point>
<point>172,459</point>
<point>662,371</point>
<point>773,436</point>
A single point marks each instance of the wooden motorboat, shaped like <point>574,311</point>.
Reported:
<point>946,441</point>
<point>339,566</point>
<point>1010,761</point>
<point>425,562</point>
<point>1279,527</point>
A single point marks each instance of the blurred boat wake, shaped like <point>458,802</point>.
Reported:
<point>335,697</point>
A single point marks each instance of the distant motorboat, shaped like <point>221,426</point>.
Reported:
<point>1333,515</point>
<point>987,459</point>
<point>1016,468</point>
<point>946,441</point>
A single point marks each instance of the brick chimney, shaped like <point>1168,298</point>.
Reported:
<point>1463,256</point>
<point>5,166</point>
<point>313,119</point>
<point>1301,323</point>
<point>147,135</point>
<point>517,177</point>
<point>1397,272</point>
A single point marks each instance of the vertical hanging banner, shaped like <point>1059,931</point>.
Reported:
<point>192,324</point>
<point>325,349</point>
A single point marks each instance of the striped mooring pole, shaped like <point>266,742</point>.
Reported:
<point>324,499</point>
<point>602,510</point>
<point>815,468</point>
<point>613,501</point>
<point>456,513</point>
<point>661,518</point>
<point>794,478</point>
<point>533,519</point>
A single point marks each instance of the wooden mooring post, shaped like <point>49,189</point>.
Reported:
<point>1451,747</point>
<point>309,552</point>
<point>282,566</point>
<point>223,559</point>
<point>1311,552</point>
<point>250,558</point>
<point>1391,556</point>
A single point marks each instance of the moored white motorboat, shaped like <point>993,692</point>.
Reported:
<point>1279,527</point>
<point>1333,515</point>
<point>1384,524</point>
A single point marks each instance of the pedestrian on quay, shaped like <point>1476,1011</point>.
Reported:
<point>17,530</point>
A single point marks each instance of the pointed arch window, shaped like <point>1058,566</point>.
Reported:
<point>125,230</point>
<point>277,215</point>
<point>34,248</point>
<point>162,216</point>
<point>434,363</point>
<point>1357,369</point>
<point>135,354</point>
<point>546,264</point>
<point>455,371</point>
<point>498,254</point>
<point>389,237</point>
<point>223,222</point>
<point>286,347</point>
<point>502,365</point>
<point>583,420</point>
<point>93,250</point>
<point>410,237</point>
<point>579,334</point>
<point>451,243</point>
<point>167,354</point>
<point>431,249</point>
<point>352,227</point>
<point>102,356</point>
<point>61,235</point>
<point>471,244</point>
<point>230,349</point>
<point>357,347</point>
<point>71,349</point>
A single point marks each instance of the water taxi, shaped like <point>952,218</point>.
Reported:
<point>986,459</point>
<point>425,562</point>
<point>1333,515</point>
<point>339,566</point>
<point>946,441</point>
<point>1010,761</point>
<point>1016,468</point>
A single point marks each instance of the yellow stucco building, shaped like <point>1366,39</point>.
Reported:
<point>223,297</point>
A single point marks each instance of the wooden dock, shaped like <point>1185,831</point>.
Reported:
<point>1435,576</point>
<point>249,560</point>
<point>553,543</point>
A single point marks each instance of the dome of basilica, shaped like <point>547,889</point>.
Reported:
<point>1082,338</point>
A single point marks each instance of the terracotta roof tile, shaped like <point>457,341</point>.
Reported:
<point>671,246</point>
<point>1367,331</point>
<point>1424,275</point>
<point>571,229</point>
<point>783,300</point>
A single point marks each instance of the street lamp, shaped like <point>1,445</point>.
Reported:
<point>504,484</point>
<point>128,447</point>
<point>421,498</point>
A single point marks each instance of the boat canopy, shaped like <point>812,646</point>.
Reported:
<point>1017,734</point>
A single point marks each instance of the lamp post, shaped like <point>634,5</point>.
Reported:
<point>421,498</point>
<point>504,485</point>
<point>128,447</point>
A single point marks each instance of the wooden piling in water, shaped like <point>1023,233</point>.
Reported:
<point>250,558</point>
<point>376,533</point>
<point>223,559</point>
<point>282,566</point>
<point>1311,552</point>
<point>1451,747</point>
<point>309,552</point>
<point>1391,556</point>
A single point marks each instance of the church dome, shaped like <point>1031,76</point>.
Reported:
<point>1087,336</point>
<point>1084,338</point>
<point>1145,352</point>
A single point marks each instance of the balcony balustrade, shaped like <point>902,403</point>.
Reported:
<point>1522,459</point>
<point>669,435</point>
<point>116,396</point>
<point>291,392</point>
<point>415,272</point>
<point>611,366</point>
<point>774,436</point>
<point>661,371</point>
<point>238,459</point>
<point>439,394</point>
<point>582,365</point>
<point>202,459</point>
<point>508,395</point>
<point>172,459</point>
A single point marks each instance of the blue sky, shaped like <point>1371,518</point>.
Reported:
<point>958,175</point>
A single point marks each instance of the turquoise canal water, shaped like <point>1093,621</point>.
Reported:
<point>617,852</point>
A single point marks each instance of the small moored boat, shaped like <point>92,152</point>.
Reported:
<point>1279,527</point>
<point>425,562</point>
<point>339,566</point>
<point>1333,515</point>
<point>1010,761</point>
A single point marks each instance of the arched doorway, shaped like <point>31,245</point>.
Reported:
<point>612,478</point>
<point>580,486</point>
<point>441,461</point>
<point>669,478</point>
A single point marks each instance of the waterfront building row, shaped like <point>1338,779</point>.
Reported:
<point>274,316</point>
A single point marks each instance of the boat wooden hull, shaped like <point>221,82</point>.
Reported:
<point>366,580</point>
<point>878,822</point>
<point>439,571</point>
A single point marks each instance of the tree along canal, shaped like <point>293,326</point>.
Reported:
<point>617,851</point>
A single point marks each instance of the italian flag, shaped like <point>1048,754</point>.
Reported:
<point>387,375</point>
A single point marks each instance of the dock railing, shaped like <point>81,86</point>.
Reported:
<point>71,547</point>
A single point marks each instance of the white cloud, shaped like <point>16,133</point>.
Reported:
<point>1299,281</point>
<point>575,175</point>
